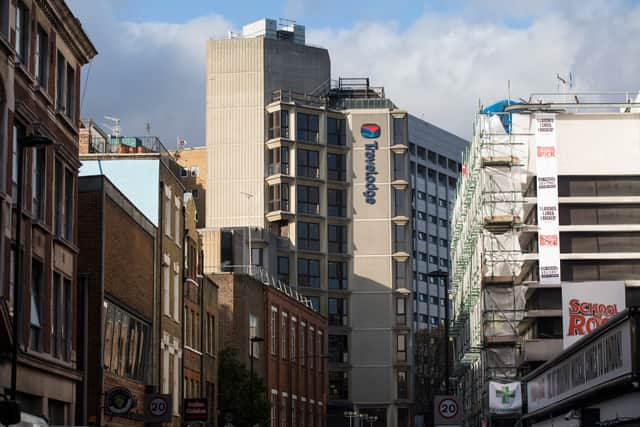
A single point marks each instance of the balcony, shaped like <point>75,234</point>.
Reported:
<point>278,169</point>
<point>278,210</point>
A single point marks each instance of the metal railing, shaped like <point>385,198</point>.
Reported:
<point>267,279</point>
<point>284,95</point>
<point>278,169</point>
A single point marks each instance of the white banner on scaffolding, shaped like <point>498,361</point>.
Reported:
<point>547,186</point>
<point>505,397</point>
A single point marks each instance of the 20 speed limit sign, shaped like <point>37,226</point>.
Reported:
<point>157,408</point>
<point>447,410</point>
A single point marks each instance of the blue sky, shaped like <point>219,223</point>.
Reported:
<point>438,59</point>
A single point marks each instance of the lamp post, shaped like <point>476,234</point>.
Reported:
<point>252,340</point>
<point>372,419</point>
<point>445,276</point>
<point>23,143</point>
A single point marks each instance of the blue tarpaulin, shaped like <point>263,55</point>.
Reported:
<point>498,107</point>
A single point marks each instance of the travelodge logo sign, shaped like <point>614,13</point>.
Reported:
<point>370,131</point>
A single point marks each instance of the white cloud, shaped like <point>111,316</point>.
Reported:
<point>436,68</point>
<point>441,66</point>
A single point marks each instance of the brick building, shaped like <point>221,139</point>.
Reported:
<point>113,233</point>
<point>42,50</point>
<point>291,358</point>
<point>145,172</point>
<point>193,175</point>
<point>200,296</point>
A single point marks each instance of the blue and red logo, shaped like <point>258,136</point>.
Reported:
<point>370,131</point>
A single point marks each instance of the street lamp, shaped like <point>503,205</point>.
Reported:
<point>372,419</point>
<point>252,340</point>
<point>445,276</point>
<point>23,143</point>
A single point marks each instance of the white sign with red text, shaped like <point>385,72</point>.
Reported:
<point>547,194</point>
<point>588,305</point>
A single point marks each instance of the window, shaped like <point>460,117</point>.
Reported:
<point>422,153</point>
<point>431,175</point>
<point>443,222</point>
<point>253,332</point>
<point>309,272</point>
<point>442,161</point>
<point>338,349</point>
<point>433,320</point>
<point>274,403</point>
<point>400,238</point>
<point>274,328</point>
<point>338,386</point>
<point>442,203</point>
<point>283,335</point>
<point>167,211</point>
<point>42,57</point>
<point>403,389</point>
<point>398,202</point>
<point>308,199</point>
<point>176,295</point>
<point>433,259</point>
<point>442,301</point>
<point>71,87</point>
<point>337,202</point>
<point>278,124</point>
<point>336,131</point>
<point>338,312</point>
<point>400,274</point>
<point>421,235</point>
<point>422,215</point>
<point>399,166</point>
<point>279,197</point>
<point>127,344</point>
<point>307,129</point>
<point>452,183</point>
<point>315,303</point>
<point>210,336</point>
<point>433,300</point>
<point>422,195</point>
<point>433,219</point>
<point>401,311</point>
<point>18,132</point>
<point>38,182</point>
<point>279,161</point>
<point>433,239</point>
<point>293,412</point>
<point>256,256</point>
<point>293,334</point>
<point>444,243</point>
<point>399,130</point>
<point>422,297</point>
<point>22,33</point>
<point>401,348</point>
<point>424,318</point>
<point>166,290</point>
<point>178,223</point>
<point>308,163</point>
<point>444,262</point>
<point>337,238</point>
<point>283,411</point>
<point>60,317</point>
<point>422,171</point>
<point>184,173</point>
<point>309,236</point>
<point>423,256</point>
<point>442,179</point>
<point>336,167</point>
<point>422,277</point>
<point>195,171</point>
<point>303,335</point>
<point>35,335</point>
<point>194,193</point>
<point>283,269</point>
<point>338,275</point>
<point>60,69</point>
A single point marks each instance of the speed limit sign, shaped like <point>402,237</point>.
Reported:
<point>157,408</point>
<point>447,410</point>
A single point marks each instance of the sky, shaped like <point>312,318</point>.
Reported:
<point>437,59</point>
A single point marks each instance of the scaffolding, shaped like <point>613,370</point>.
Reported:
<point>486,256</point>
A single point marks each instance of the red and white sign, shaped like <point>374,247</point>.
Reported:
<point>547,186</point>
<point>588,305</point>
<point>448,411</point>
